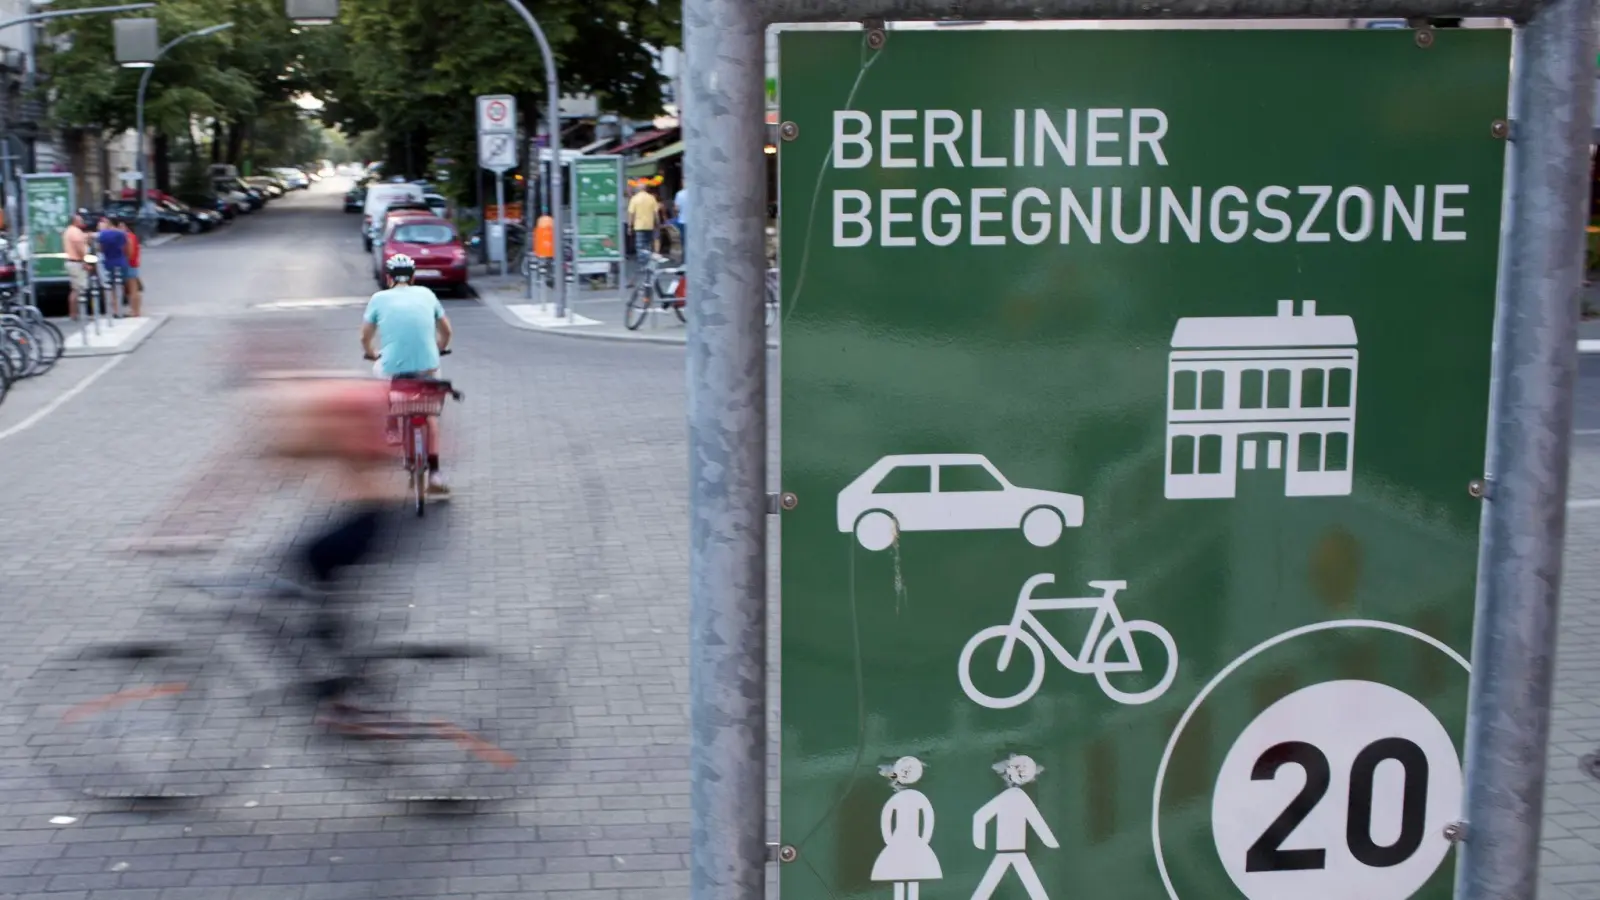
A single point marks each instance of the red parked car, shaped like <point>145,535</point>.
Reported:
<point>435,246</point>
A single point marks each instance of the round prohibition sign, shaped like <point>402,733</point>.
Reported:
<point>496,110</point>
<point>1337,791</point>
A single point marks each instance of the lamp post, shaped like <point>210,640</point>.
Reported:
<point>552,89</point>
<point>149,66</point>
<point>41,17</point>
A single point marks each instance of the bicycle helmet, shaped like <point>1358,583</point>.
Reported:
<point>401,266</point>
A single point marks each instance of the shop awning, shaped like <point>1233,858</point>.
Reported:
<point>639,140</point>
<point>670,150</point>
<point>643,168</point>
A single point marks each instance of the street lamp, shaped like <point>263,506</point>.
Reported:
<point>552,89</point>
<point>148,65</point>
<point>312,12</point>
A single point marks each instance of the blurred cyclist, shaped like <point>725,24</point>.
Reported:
<point>409,323</point>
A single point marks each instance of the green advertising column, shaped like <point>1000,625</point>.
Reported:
<point>598,197</point>
<point>47,204</point>
<point>1132,384</point>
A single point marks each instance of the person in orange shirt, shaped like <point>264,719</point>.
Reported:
<point>133,288</point>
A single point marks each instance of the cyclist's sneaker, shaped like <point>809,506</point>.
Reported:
<point>437,486</point>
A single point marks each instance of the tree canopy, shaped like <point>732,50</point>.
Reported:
<point>404,70</point>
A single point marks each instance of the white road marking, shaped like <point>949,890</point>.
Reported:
<point>1589,346</point>
<point>1586,503</point>
<point>61,401</point>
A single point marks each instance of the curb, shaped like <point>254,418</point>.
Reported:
<point>511,319</point>
<point>128,346</point>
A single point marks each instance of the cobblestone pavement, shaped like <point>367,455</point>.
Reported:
<point>565,547</point>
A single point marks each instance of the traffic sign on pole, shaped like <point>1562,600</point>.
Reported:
<point>497,152</point>
<point>497,114</point>
<point>1129,413</point>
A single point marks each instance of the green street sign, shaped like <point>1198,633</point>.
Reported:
<point>47,204</point>
<point>598,201</point>
<point>1132,383</point>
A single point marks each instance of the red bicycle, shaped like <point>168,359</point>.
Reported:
<point>412,402</point>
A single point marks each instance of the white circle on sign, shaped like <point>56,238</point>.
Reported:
<point>1338,791</point>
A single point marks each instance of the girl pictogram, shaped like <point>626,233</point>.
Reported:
<point>907,822</point>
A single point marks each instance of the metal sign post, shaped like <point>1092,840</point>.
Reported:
<point>497,152</point>
<point>1186,414</point>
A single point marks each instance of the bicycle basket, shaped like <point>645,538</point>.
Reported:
<point>416,401</point>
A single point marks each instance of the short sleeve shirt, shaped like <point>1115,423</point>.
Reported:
<point>406,317</point>
<point>642,211</point>
<point>114,246</point>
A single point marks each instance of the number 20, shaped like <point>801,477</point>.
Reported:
<point>1267,853</point>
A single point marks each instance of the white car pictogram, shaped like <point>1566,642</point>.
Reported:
<point>949,492</point>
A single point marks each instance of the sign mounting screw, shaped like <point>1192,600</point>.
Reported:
<point>1455,832</point>
<point>1477,488</point>
<point>788,131</point>
<point>1500,128</point>
<point>788,500</point>
<point>788,853</point>
<point>1424,37</point>
<point>876,37</point>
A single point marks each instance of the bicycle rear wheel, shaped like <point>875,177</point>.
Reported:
<point>19,349</point>
<point>421,724</point>
<point>48,339</point>
<point>131,721</point>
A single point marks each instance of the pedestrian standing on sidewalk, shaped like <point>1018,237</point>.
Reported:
<point>114,261</point>
<point>75,243</point>
<point>680,218</point>
<point>644,214</point>
<point>132,283</point>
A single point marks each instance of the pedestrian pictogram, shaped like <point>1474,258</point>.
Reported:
<point>1014,815</point>
<point>907,858</point>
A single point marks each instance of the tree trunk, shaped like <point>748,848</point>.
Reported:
<point>160,148</point>
<point>235,144</point>
<point>216,142</point>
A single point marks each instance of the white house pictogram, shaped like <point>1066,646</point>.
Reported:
<point>1262,393</point>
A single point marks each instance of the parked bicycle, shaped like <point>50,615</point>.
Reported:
<point>657,285</point>
<point>1093,657</point>
<point>165,717</point>
<point>32,344</point>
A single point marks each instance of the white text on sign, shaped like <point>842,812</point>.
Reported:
<point>943,139</point>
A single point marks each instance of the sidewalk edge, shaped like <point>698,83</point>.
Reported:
<point>131,344</point>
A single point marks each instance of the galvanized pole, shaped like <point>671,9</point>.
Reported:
<point>552,89</point>
<point>723,132</point>
<point>1524,520</point>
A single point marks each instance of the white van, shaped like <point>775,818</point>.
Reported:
<point>379,196</point>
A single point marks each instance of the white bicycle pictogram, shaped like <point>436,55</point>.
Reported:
<point>1091,659</point>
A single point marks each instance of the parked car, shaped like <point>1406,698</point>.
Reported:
<point>271,187</point>
<point>293,179</point>
<point>435,246</point>
<point>354,199</point>
<point>244,201</point>
<point>438,204</point>
<point>207,219</point>
<point>167,220</point>
<point>403,210</point>
<point>379,198</point>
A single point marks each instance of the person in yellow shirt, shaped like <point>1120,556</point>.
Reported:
<point>644,213</point>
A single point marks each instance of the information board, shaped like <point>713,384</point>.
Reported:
<point>47,202</point>
<point>597,196</point>
<point>1132,385</point>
